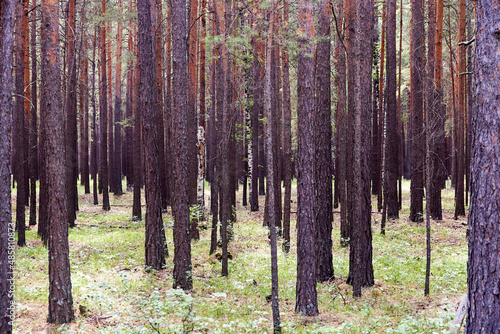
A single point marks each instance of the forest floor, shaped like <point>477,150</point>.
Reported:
<point>113,293</point>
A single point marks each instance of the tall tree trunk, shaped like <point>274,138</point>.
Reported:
<point>306,296</point>
<point>379,121</point>
<point>84,163</point>
<point>60,297</point>
<point>256,124</point>
<point>6,226</point>
<point>43,202</point>
<point>341,116</point>
<point>118,110</point>
<point>287,136</point>
<point>155,245</point>
<point>111,116</point>
<point>157,17</point>
<point>93,151</point>
<point>168,109</point>
<point>25,34</point>
<point>226,131</point>
<point>378,40</point>
<point>433,107</point>
<point>417,134</point>
<point>103,117</point>
<point>202,121</point>
<point>216,117</point>
<point>136,204</point>
<point>182,241</point>
<point>483,314</point>
<point>440,135</point>
<point>323,155</point>
<point>460,112</point>
<point>129,114</point>
<point>19,129</point>
<point>391,149</point>
<point>360,255</point>
<point>272,176</point>
<point>192,39</point>
<point>71,120</point>
<point>33,131</point>
<point>401,134</point>
<point>470,101</point>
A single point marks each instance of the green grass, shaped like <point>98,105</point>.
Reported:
<point>113,293</point>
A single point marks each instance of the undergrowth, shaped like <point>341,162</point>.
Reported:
<point>113,293</point>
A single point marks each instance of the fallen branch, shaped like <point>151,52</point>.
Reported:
<point>459,316</point>
<point>467,43</point>
<point>114,226</point>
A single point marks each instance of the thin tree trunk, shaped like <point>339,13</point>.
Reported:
<point>226,130</point>
<point>19,130</point>
<point>94,146</point>
<point>378,164</point>
<point>25,34</point>
<point>182,241</point>
<point>129,114</point>
<point>192,151</point>
<point>202,121</point>
<point>287,136</point>
<point>460,112</point>
<point>60,297</point>
<point>214,193</point>
<point>439,108</point>
<point>33,132</point>
<point>341,156</point>
<point>118,110</point>
<point>417,134</point>
<point>401,155</point>
<point>168,109</point>
<point>257,149</point>
<point>217,114</point>
<point>71,120</point>
<point>323,154</point>
<point>110,124</point>
<point>103,117</point>
<point>85,128</point>
<point>157,17</point>
<point>136,204</point>
<point>433,106</point>
<point>391,149</point>
<point>272,176</point>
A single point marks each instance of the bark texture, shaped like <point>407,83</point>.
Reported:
<point>103,118</point>
<point>272,176</point>
<point>306,295</point>
<point>6,226</point>
<point>60,298</point>
<point>155,245</point>
<point>483,315</point>
<point>182,241</point>
<point>71,120</point>
<point>360,255</point>
<point>323,144</point>
<point>287,137</point>
<point>391,148</point>
<point>417,131</point>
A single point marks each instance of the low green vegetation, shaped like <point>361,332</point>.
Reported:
<point>113,293</point>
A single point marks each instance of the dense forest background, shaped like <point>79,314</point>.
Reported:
<point>185,136</point>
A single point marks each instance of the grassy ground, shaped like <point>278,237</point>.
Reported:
<point>113,294</point>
